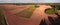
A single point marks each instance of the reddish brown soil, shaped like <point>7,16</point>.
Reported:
<point>35,19</point>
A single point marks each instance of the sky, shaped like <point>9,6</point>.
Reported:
<point>29,1</point>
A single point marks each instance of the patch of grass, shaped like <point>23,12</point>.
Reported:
<point>2,20</point>
<point>50,11</point>
<point>1,17</point>
<point>27,12</point>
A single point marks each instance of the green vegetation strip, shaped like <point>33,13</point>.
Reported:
<point>50,11</point>
<point>27,12</point>
<point>2,19</point>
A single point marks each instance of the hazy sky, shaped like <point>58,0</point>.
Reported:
<point>29,1</point>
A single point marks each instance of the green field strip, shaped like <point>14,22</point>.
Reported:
<point>27,12</point>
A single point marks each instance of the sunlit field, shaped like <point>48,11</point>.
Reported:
<point>30,14</point>
<point>27,12</point>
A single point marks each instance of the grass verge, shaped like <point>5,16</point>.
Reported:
<point>2,19</point>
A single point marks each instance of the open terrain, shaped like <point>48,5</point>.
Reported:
<point>16,14</point>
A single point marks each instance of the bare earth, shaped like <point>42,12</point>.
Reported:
<point>35,19</point>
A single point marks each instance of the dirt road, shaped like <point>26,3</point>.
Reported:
<point>39,14</point>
